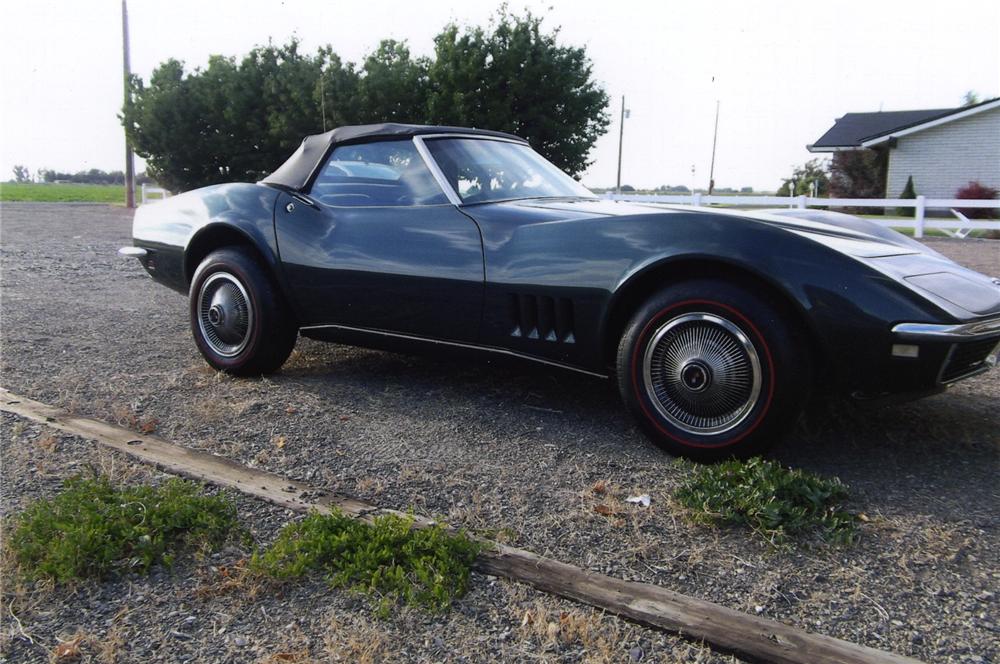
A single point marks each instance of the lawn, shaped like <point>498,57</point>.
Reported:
<point>63,193</point>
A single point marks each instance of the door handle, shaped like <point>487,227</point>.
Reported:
<point>302,198</point>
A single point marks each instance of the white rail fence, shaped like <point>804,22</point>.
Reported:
<point>148,191</point>
<point>959,227</point>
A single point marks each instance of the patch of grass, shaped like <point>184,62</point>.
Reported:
<point>63,193</point>
<point>387,559</point>
<point>92,528</point>
<point>776,502</point>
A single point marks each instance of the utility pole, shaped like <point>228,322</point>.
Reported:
<point>126,73</point>
<point>322,100</point>
<point>715,135</point>
<point>621,136</point>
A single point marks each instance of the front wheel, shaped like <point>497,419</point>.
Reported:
<point>239,321</point>
<point>712,370</point>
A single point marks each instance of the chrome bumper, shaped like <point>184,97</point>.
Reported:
<point>960,332</point>
<point>972,347</point>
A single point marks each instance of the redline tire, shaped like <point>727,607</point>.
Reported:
<point>239,321</point>
<point>712,370</point>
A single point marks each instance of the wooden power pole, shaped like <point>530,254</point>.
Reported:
<point>621,136</point>
<point>715,136</point>
<point>126,73</point>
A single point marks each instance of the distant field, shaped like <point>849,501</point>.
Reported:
<point>63,193</point>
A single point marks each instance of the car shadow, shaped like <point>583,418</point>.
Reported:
<point>941,452</point>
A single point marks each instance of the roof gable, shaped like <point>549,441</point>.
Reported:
<point>956,114</point>
<point>849,131</point>
<point>854,131</point>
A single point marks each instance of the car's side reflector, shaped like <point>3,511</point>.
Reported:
<point>905,350</point>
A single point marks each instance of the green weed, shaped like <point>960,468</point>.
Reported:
<point>387,559</point>
<point>776,502</point>
<point>93,528</point>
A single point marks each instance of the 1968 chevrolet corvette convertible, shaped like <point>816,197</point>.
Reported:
<point>716,323</point>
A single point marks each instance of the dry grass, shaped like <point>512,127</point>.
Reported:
<point>19,599</point>
<point>293,648</point>
<point>370,486</point>
<point>46,443</point>
<point>591,636</point>
<point>291,656</point>
<point>83,646</point>
<point>17,429</point>
<point>358,642</point>
<point>553,629</point>
<point>110,648</point>
<point>235,581</point>
<point>129,416</point>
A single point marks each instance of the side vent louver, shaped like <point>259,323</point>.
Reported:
<point>542,317</point>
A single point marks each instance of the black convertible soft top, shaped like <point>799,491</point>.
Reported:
<point>297,170</point>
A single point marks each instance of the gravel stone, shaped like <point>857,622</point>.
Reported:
<point>505,449</point>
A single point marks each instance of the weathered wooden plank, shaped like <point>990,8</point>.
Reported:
<point>187,462</point>
<point>751,637</point>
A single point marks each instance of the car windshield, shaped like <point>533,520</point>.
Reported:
<point>482,170</point>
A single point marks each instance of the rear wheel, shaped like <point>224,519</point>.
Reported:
<point>712,370</point>
<point>239,321</point>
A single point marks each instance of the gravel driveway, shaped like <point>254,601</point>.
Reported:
<point>510,450</point>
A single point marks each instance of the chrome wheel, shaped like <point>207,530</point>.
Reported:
<point>225,315</point>
<point>702,373</point>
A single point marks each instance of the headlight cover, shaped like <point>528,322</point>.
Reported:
<point>978,296</point>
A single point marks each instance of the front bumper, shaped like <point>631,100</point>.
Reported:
<point>918,359</point>
<point>961,332</point>
<point>959,351</point>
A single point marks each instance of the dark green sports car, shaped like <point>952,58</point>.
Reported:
<point>717,324</point>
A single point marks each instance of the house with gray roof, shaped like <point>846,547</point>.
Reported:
<point>943,149</point>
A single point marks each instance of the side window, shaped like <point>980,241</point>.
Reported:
<point>387,173</point>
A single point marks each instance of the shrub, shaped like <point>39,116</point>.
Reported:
<point>908,193</point>
<point>388,558</point>
<point>776,502</point>
<point>93,527</point>
<point>974,191</point>
<point>858,174</point>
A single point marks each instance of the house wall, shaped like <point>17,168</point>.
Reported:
<point>944,158</point>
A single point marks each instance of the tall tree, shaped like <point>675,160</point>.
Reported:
<point>517,78</point>
<point>393,86</point>
<point>239,119</point>
<point>857,174</point>
<point>803,177</point>
<point>21,174</point>
<point>337,91</point>
<point>231,121</point>
<point>970,98</point>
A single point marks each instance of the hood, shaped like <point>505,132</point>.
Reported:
<point>851,235</point>
<point>955,289</point>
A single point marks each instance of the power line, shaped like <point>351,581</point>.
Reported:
<point>126,74</point>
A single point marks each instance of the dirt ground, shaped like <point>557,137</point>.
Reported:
<point>510,450</point>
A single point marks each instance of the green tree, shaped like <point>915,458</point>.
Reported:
<point>21,174</point>
<point>970,98</point>
<point>239,119</point>
<point>230,121</point>
<point>393,86</point>
<point>857,174</point>
<point>515,77</point>
<point>909,193</point>
<point>337,92</point>
<point>803,177</point>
